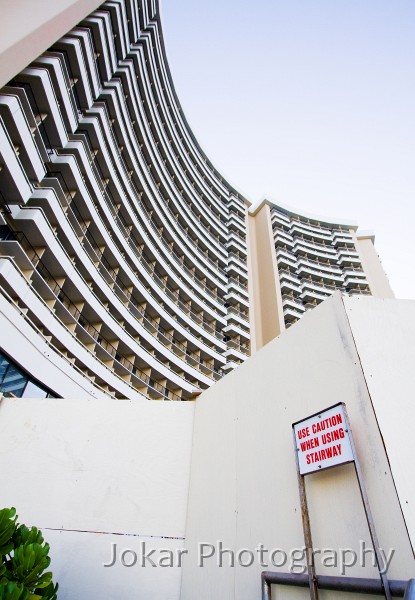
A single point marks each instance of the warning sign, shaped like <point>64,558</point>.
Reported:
<point>323,440</point>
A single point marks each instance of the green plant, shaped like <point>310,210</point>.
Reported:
<point>24,558</point>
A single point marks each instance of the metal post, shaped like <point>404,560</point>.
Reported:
<point>368,512</point>
<point>410,590</point>
<point>312,580</point>
<point>398,588</point>
<point>266,587</point>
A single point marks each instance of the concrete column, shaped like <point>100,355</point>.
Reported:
<point>267,319</point>
<point>376,276</point>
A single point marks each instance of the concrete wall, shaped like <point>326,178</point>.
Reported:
<point>376,276</point>
<point>30,27</point>
<point>95,473</point>
<point>384,333</point>
<point>244,489</point>
<point>98,474</point>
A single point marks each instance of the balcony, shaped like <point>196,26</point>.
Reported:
<point>289,276</point>
<point>356,283</point>
<point>326,254</point>
<point>319,274</point>
<point>341,240</point>
<point>320,287</point>
<point>236,260</point>
<point>289,287</point>
<point>286,259</point>
<point>349,259</point>
<point>354,272</point>
<point>275,213</point>
<point>310,226</point>
<point>289,301</point>
<point>291,315</point>
<point>240,317</point>
<point>310,294</point>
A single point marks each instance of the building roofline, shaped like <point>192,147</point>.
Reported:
<point>39,36</point>
<point>232,189</point>
<point>253,210</point>
<point>367,234</point>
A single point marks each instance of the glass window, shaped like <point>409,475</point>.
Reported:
<point>14,381</point>
<point>34,391</point>
<point>4,363</point>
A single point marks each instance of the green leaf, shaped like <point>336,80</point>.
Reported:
<point>44,580</point>
<point>23,535</point>
<point>7,528</point>
<point>28,563</point>
<point>49,592</point>
<point>24,560</point>
<point>10,590</point>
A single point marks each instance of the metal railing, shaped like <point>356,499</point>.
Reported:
<point>111,204</point>
<point>398,588</point>
<point>92,331</point>
<point>146,262</point>
<point>159,142</point>
<point>48,342</point>
<point>189,204</point>
<point>151,270</point>
<point>40,117</point>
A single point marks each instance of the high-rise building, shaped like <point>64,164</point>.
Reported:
<point>301,259</point>
<point>123,249</point>
<point>130,269</point>
<point>126,267</point>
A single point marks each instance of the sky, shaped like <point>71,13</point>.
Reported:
<point>310,103</point>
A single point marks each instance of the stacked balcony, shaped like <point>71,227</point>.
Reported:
<point>314,260</point>
<point>125,248</point>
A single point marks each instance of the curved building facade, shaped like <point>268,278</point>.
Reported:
<point>122,247</point>
<point>124,257</point>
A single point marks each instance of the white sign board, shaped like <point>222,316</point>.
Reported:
<point>323,440</point>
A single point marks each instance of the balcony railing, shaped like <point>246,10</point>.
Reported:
<point>95,334</point>
<point>23,314</point>
<point>129,298</point>
<point>234,345</point>
<point>317,264</point>
<point>109,200</point>
<point>141,256</point>
<point>154,145</point>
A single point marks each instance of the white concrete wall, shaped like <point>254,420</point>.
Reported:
<point>95,473</point>
<point>372,266</point>
<point>244,488</point>
<point>384,333</point>
<point>29,27</point>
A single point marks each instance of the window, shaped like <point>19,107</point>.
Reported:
<point>32,390</point>
<point>15,382</point>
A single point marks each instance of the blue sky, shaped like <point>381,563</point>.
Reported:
<point>310,103</point>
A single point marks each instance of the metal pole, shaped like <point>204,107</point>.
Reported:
<point>398,588</point>
<point>410,590</point>
<point>266,587</point>
<point>368,512</point>
<point>312,580</point>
